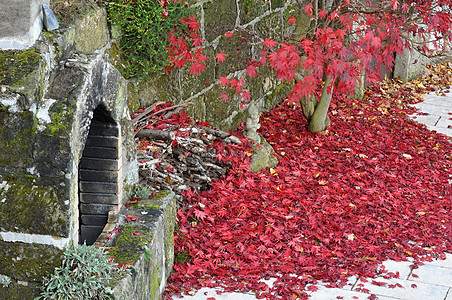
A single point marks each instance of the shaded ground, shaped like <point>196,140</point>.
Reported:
<point>375,186</point>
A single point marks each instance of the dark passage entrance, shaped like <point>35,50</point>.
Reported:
<point>100,175</point>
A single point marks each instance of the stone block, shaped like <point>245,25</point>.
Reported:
<point>101,152</point>
<point>99,198</point>
<point>21,23</point>
<point>26,197</point>
<point>100,176</point>
<point>28,262</point>
<point>100,164</point>
<point>91,32</point>
<point>152,253</point>
<point>94,219</point>
<point>96,208</point>
<point>410,65</point>
<point>99,187</point>
<point>19,290</point>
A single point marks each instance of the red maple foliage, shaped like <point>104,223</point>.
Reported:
<point>373,187</point>
<point>347,40</point>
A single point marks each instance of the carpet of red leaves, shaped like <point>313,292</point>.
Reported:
<point>374,186</point>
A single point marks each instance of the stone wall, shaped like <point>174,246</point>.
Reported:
<point>48,95</point>
<point>247,19</point>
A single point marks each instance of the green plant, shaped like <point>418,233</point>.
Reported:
<point>145,26</point>
<point>142,192</point>
<point>84,274</point>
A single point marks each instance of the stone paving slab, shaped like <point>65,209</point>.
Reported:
<point>410,290</point>
<point>432,275</point>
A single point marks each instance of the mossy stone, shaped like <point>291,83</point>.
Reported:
<point>129,246</point>
<point>16,139</point>
<point>263,156</point>
<point>90,32</point>
<point>220,16</point>
<point>17,291</point>
<point>15,65</point>
<point>28,262</point>
<point>25,197</point>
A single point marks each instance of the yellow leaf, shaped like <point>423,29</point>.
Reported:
<point>323,182</point>
<point>316,175</point>
<point>351,205</point>
<point>272,171</point>
<point>407,156</point>
<point>421,213</point>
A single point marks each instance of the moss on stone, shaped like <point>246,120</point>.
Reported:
<point>16,138</point>
<point>263,156</point>
<point>128,247</point>
<point>28,262</point>
<point>15,65</point>
<point>16,291</point>
<point>154,282</point>
<point>24,197</point>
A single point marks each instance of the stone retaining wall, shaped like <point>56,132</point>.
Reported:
<point>48,98</point>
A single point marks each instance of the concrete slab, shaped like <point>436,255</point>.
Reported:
<point>446,131</point>
<point>432,275</point>
<point>205,293</point>
<point>444,121</point>
<point>410,290</point>
<point>431,120</point>
<point>447,263</point>
<point>434,109</point>
<point>449,295</point>
<point>334,293</point>
<point>403,267</point>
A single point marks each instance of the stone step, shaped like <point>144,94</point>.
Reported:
<point>90,233</point>
<point>96,220</point>
<point>88,163</point>
<point>100,175</point>
<point>101,152</point>
<point>99,198</point>
<point>100,187</point>
<point>103,129</point>
<point>96,208</point>
<point>103,141</point>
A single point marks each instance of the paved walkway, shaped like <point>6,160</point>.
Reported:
<point>432,281</point>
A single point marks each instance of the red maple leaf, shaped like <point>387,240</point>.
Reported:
<point>223,81</point>
<point>251,70</point>
<point>196,68</point>
<point>246,95</point>
<point>291,20</point>
<point>228,34</point>
<point>269,43</point>
<point>131,218</point>
<point>221,57</point>
<point>224,97</point>
<point>192,22</point>
<point>199,214</point>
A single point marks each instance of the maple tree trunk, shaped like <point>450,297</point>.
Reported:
<point>319,120</point>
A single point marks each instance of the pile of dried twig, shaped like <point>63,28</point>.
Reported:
<point>176,155</point>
